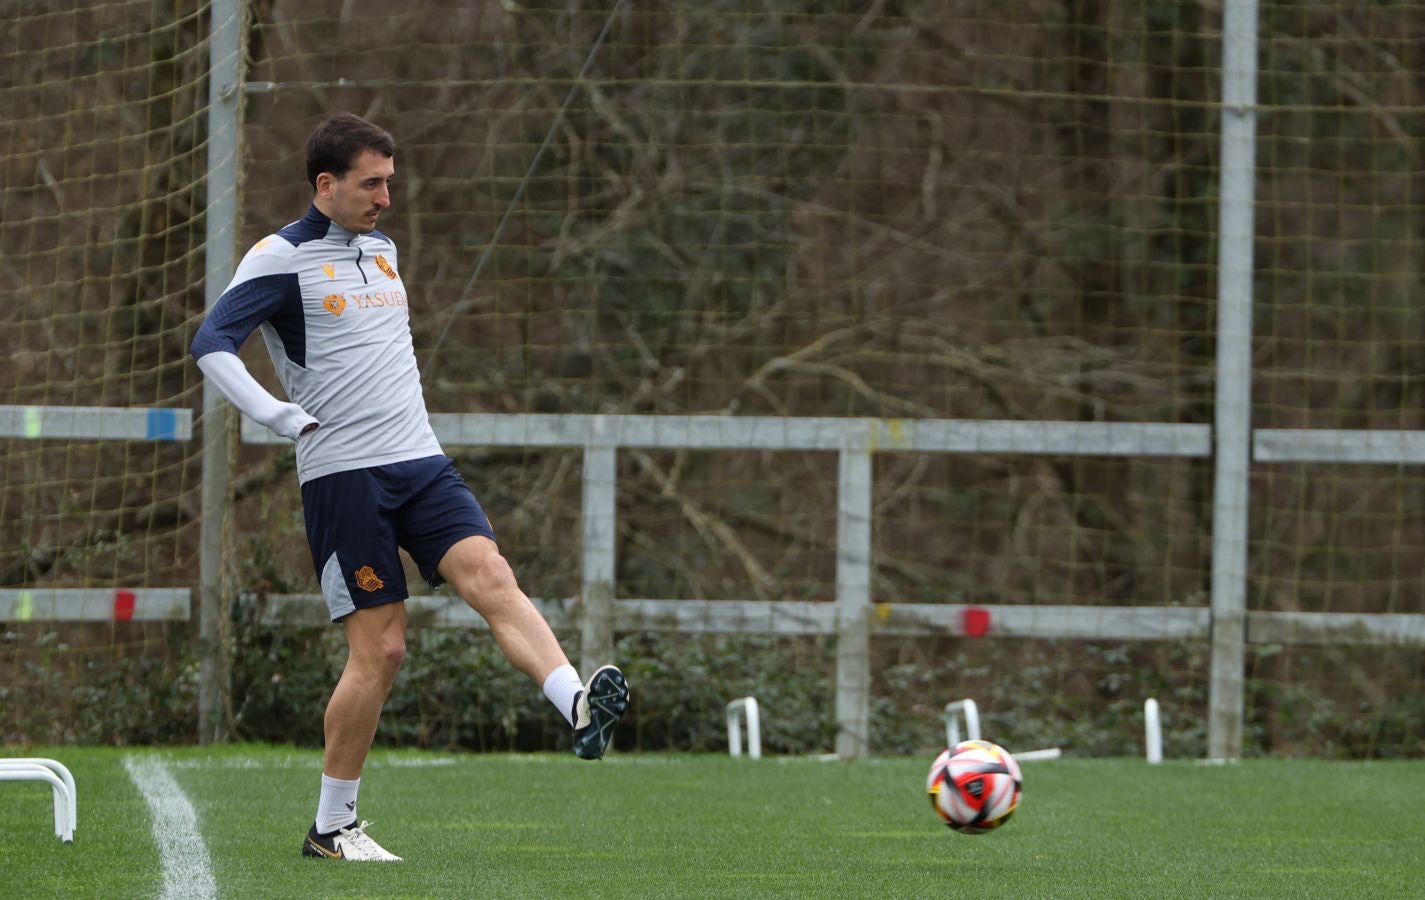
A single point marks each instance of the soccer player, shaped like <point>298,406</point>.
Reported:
<point>327,293</point>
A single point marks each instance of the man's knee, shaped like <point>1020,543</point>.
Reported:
<point>485,572</point>
<point>496,574</point>
<point>377,643</point>
<point>378,660</point>
<point>491,589</point>
<point>392,653</point>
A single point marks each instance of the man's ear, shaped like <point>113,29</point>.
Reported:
<point>325,185</point>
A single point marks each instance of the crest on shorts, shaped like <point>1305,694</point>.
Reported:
<point>385,266</point>
<point>366,579</point>
<point>335,303</point>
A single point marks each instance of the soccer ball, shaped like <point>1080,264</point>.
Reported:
<point>974,786</point>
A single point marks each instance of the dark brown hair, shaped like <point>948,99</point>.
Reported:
<point>336,142</point>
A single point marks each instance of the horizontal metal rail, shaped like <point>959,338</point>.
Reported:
<point>773,433</point>
<point>802,617</point>
<point>777,617</point>
<point>43,604</point>
<point>100,423</point>
<point>1312,445</point>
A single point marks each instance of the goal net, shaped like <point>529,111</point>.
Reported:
<point>902,211</point>
<point>102,111</point>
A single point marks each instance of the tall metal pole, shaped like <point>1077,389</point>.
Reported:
<point>1234,379</point>
<point>224,135</point>
<point>853,603</point>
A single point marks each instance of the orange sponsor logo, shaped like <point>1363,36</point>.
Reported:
<point>385,266</point>
<point>329,269</point>
<point>379,298</point>
<point>335,303</point>
<point>366,579</point>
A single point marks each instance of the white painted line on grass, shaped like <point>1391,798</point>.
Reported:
<point>186,871</point>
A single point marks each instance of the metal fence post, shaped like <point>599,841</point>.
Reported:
<point>853,603</point>
<point>219,248</point>
<point>1233,412</point>
<point>600,530</point>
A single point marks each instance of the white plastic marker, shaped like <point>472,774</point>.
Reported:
<point>61,771</point>
<point>1152,732</point>
<point>186,870</point>
<point>737,709</point>
<point>61,784</point>
<point>971,713</point>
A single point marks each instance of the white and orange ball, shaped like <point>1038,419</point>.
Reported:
<point>974,786</point>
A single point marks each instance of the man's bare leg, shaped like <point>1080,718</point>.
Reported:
<point>376,642</point>
<point>484,579</point>
<point>376,646</point>
<point>477,571</point>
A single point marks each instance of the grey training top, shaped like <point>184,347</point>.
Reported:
<point>333,311</point>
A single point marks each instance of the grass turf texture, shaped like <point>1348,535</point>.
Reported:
<point>702,825</point>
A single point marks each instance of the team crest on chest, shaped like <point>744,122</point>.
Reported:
<point>385,266</point>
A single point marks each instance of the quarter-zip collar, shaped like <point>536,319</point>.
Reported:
<point>319,222</point>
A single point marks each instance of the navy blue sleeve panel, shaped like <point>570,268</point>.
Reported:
<point>244,307</point>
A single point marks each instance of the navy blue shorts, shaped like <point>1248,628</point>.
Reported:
<point>357,519</point>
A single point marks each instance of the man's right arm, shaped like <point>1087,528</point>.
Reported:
<point>246,304</point>
<point>227,371</point>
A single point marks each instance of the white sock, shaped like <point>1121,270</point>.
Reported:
<point>561,687</point>
<point>337,806</point>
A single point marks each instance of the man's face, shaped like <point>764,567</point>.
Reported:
<point>355,200</point>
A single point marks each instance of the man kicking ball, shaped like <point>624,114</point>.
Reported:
<point>326,292</point>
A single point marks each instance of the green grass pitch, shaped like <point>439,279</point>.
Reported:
<point>640,825</point>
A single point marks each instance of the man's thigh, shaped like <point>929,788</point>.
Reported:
<point>442,515</point>
<point>353,542</point>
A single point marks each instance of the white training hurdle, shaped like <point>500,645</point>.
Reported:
<point>61,782</point>
<point>967,709</point>
<point>744,708</point>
